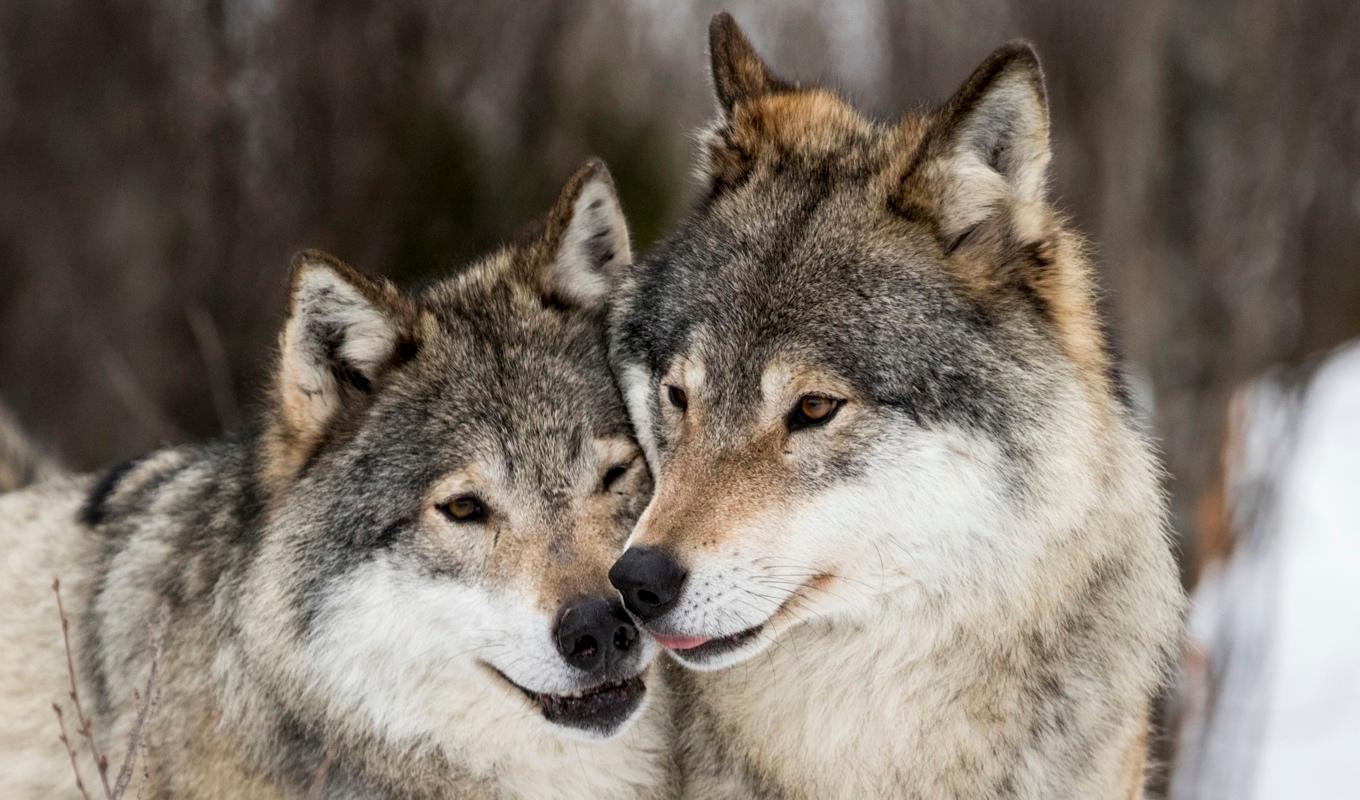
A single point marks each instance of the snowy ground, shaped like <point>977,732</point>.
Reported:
<point>1274,708</point>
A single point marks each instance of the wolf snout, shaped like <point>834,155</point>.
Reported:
<point>649,580</point>
<point>594,634</point>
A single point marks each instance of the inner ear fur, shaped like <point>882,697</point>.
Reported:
<point>985,154</point>
<point>344,331</point>
<point>584,245</point>
<point>978,178</point>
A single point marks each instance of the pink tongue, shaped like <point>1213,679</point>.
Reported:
<point>680,642</point>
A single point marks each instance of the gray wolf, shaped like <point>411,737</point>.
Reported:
<point>907,539</point>
<point>400,571</point>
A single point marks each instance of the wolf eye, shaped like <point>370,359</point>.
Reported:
<point>612,475</point>
<point>813,410</point>
<point>677,397</point>
<point>463,508</point>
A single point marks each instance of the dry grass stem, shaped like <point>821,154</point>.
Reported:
<point>146,705</point>
<point>146,702</point>
<point>85,729</point>
<point>70,751</point>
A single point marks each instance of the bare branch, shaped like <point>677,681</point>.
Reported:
<point>85,729</point>
<point>70,751</point>
<point>146,769</point>
<point>146,704</point>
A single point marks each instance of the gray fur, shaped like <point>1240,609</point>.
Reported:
<point>265,546</point>
<point>1003,633</point>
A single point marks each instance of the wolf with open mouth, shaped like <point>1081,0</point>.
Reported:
<point>396,583</point>
<point>898,483</point>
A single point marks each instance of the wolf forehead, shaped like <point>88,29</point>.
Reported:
<point>505,348</point>
<point>821,281</point>
<point>495,367</point>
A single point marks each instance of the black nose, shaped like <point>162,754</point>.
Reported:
<point>594,633</point>
<point>649,581</point>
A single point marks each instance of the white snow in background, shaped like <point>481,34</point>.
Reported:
<point>1279,624</point>
<point>1310,745</point>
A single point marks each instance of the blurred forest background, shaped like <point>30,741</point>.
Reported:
<point>163,159</point>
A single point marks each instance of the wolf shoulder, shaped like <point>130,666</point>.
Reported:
<point>41,539</point>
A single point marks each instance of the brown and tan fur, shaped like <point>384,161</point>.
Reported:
<point>960,585</point>
<point>327,612</point>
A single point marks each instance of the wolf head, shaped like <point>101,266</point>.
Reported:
<point>451,473</point>
<point>864,367</point>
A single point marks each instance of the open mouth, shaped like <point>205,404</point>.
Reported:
<point>601,709</point>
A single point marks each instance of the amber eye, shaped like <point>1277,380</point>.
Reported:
<point>612,475</point>
<point>463,508</point>
<point>677,397</point>
<point>813,410</point>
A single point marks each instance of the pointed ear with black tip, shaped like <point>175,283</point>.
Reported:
<point>586,243</point>
<point>987,151</point>
<point>344,330</point>
<point>739,73</point>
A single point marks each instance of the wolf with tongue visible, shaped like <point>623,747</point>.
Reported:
<point>907,539</point>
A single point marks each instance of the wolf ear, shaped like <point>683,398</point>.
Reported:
<point>343,331</point>
<point>738,72</point>
<point>987,151</point>
<point>585,242</point>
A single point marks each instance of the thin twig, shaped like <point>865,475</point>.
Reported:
<point>146,762</point>
<point>70,751</point>
<point>86,729</point>
<point>146,705</point>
